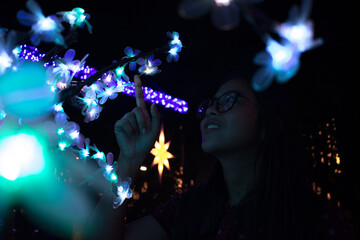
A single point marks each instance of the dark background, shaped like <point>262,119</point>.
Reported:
<point>324,87</point>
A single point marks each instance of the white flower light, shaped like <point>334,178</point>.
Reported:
<point>44,24</point>
<point>5,62</point>
<point>283,56</point>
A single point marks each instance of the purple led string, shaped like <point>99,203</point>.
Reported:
<point>31,53</point>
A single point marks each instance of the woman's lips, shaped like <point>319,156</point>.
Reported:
<point>210,125</point>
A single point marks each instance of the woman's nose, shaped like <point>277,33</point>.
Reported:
<point>211,110</point>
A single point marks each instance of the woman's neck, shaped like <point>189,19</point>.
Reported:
<point>238,168</point>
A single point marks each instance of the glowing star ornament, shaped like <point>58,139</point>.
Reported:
<point>160,151</point>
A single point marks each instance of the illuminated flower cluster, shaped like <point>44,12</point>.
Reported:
<point>123,192</point>
<point>130,53</point>
<point>104,86</point>
<point>110,92</point>
<point>89,95</point>
<point>64,133</point>
<point>47,29</point>
<point>65,69</point>
<point>150,66</point>
<point>281,60</point>
<point>60,73</point>
<point>299,30</point>
<point>9,52</point>
<point>109,167</point>
<point>97,94</point>
<point>77,18</point>
<point>175,47</point>
<point>225,14</point>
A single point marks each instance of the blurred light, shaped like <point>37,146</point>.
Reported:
<point>221,3</point>
<point>161,154</point>
<point>2,114</point>
<point>108,169</point>
<point>338,160</point>
<point>283,56</point>
<point>25,93</point>
<point>5,61</point>
<point>20,155</point>
<point>99,155</point>
<point>60,131</point>
<point>113,177</point>
<point>74,134</point>
<point>62,146</point>
<point>300,34</point>
<point>328,196</point>
<point>58,107</point>
<point>143,168</point>
<point>45,24</point>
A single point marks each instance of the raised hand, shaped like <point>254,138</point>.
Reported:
<point>137,131</point>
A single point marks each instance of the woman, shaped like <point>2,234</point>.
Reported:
<point>258,185</point>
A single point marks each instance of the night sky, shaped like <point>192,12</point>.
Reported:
<point>323,88</point>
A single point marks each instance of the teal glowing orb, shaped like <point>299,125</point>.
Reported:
<point>25,92</point>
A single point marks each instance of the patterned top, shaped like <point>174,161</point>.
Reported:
<point>333,225</point>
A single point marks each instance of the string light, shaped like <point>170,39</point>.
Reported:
<point>32,53</point>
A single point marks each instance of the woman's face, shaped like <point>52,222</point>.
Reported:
<point>235,129</point>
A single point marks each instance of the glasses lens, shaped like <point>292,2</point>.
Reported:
<point>226,102</point>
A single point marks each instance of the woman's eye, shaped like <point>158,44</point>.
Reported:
<point>227,101</point>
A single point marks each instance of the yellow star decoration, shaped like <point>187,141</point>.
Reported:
<point>161,154</point>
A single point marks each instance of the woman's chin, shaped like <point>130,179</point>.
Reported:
<point>208,147</point>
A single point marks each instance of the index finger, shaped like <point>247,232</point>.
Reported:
<point>139,95</point>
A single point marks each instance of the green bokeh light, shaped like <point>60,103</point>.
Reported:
<point>23,152</point>
<point>20,155</point>
<point>25,92</point>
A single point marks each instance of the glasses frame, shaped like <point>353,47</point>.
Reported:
<point>204,105</point>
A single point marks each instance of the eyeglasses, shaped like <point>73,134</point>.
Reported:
<point>222,104</point>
